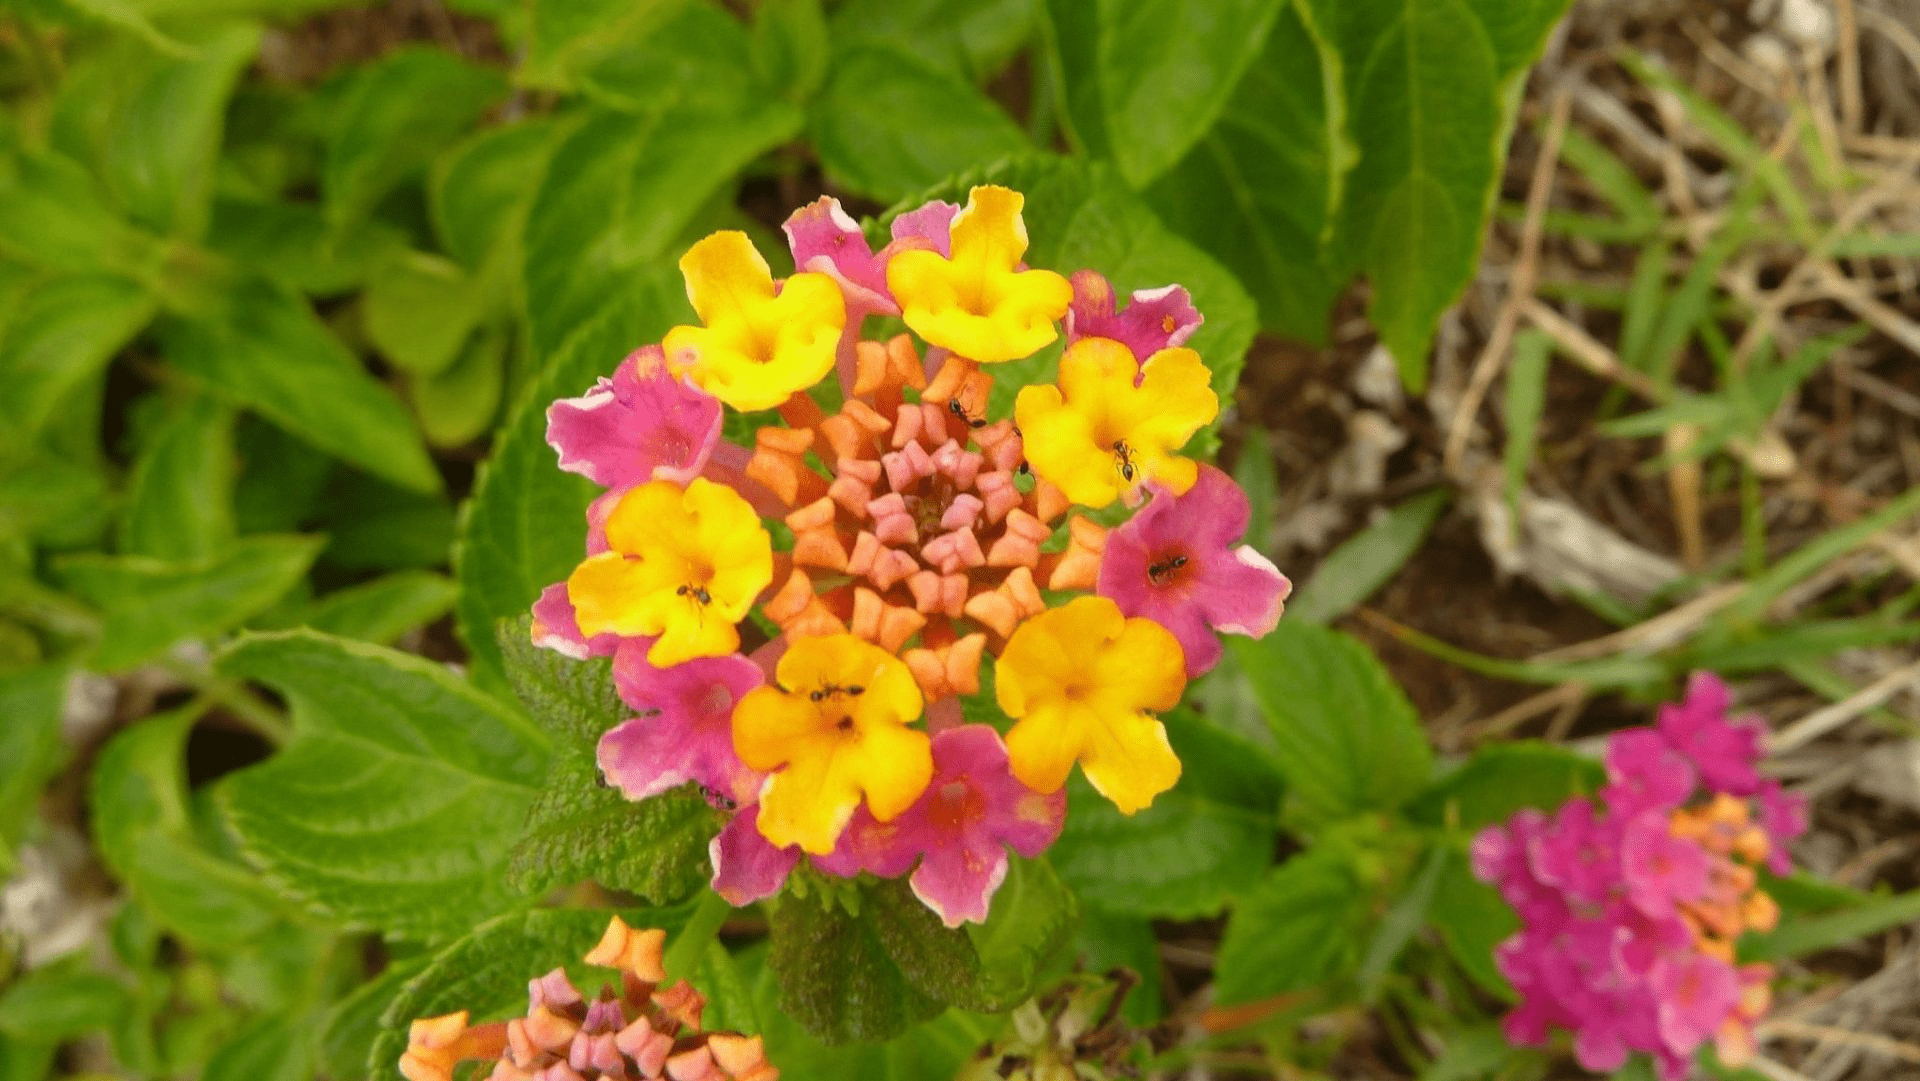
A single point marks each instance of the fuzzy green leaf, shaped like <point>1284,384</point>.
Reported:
<point>403,788</point>
<point>1300,927</point>
<point>180,506</point>
<point>1500,779</point>
<point>401,111</point>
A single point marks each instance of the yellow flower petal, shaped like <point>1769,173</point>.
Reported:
<point>976,302</point>
<point>1080,681</point>
<point>685,565</point>
<point>757,347</point>
<point>834,725</point>
<point>1097,436</point>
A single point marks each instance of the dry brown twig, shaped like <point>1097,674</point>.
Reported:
<point>1520,287</point>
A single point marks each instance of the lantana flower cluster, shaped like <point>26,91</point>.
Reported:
<point>638,1032</point>
<point>927,536</point>
<point>1630,906</point>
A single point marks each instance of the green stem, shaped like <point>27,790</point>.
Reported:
<point>683,956</point>
<point>259,714</point>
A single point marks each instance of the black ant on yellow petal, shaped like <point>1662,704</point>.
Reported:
<point>1158,572</point>
<point>698,593</point>
<point>1123,454</point>
<point>830,690</point>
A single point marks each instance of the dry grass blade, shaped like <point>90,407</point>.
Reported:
<point>1520,288</point>
<point>1826,719</point>
<point>1852,107</point>
<point>1585,350</point>
<point>1866,1041</point>
<point>1663,630</point>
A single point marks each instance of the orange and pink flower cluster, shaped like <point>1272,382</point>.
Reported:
<point>929,539</point>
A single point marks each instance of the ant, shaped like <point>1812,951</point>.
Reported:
<point>1158,572</point>
<point>830,689</point>
<point>698,593</point>
<point>1124,455</point>
<point>960,413</point>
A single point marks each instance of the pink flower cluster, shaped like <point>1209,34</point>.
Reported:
<point>1630,906</point>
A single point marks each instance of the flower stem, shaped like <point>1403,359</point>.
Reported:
<point>683,956</point>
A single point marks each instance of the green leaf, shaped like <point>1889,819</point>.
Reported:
<point>486,971</point>
<point>1367,560</point>
<point>397,800</point>
<point>31,750</point>
<point>1146,78</point>
<point>143,830</point>
<point>457,405</point>
<point>180,499</point>
<point>480,190</point>
<point>1253,471</point>
<point>1301,927</point>
<point>1526,400</point>
<point>1261,189</point>
<point>934,1050</point>
<point>381,610</point>
<point>419,309</point>
<point>265,350</point>
<point>1471,1054</point>
<point>293,244</point>
<point>1208,838</point>
<point>60,1002</point>
<point>1472,919</point>
<point>1080,214</point>
<point>835,976</point>
<point>1429,99</point>
<point>968,39</point>
<point>1346,738</point>
<point>149,604</point>
<point>568,37</point>
<point>373,525</point>
<point>150,123</point>
<point>403,109</point>
<point>1811,934</point>
<point>1401,923</point>
<point>53,215</point>
<point>353,1023</point>
<point>889,124</point>
<point>1032,919</point>
<point>580,829</point>
<point>525,527</point>
<point>276,1047</point>
<point>1108,940</point>
<point>619,191</point>
<point>1500,779</point>
<point>790,47</point>
<point>54,500</point>
<point>55,335</point>
<point>281,478</point>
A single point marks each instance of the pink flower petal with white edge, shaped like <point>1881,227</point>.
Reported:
<point>1154,319</point>
<point>928,227</point>
<point>684,731</point>
<point>826,240</point>
<point>642,424</point>
<point>555,628</point>
<point>746,866</point>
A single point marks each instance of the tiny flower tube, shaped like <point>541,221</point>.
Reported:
<point>1082,682</point>
<point>977,301</point>
<point>643,424</point>
<point>758,344</point>
<point>1099,436</point>
<point>1176,562</point>
<point>833,731</point>
<point>683,565</point>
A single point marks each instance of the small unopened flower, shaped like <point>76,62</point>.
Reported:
<point>760,343</point>
<point>1100,435</point>
<point>832,730</point>
<point>684,564</point>
<point>977,301</point>
<point>639,1031</point>
<point>1175,562</point>
<point>1081,683</point>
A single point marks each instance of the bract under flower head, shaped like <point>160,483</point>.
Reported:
<point>1174,563</point>
<point>759,344</point>
<point>1080,682</point>
<point>834,726</point>
<point>1099,435</point>
<point>977,301</point>
<point>684,564</point>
